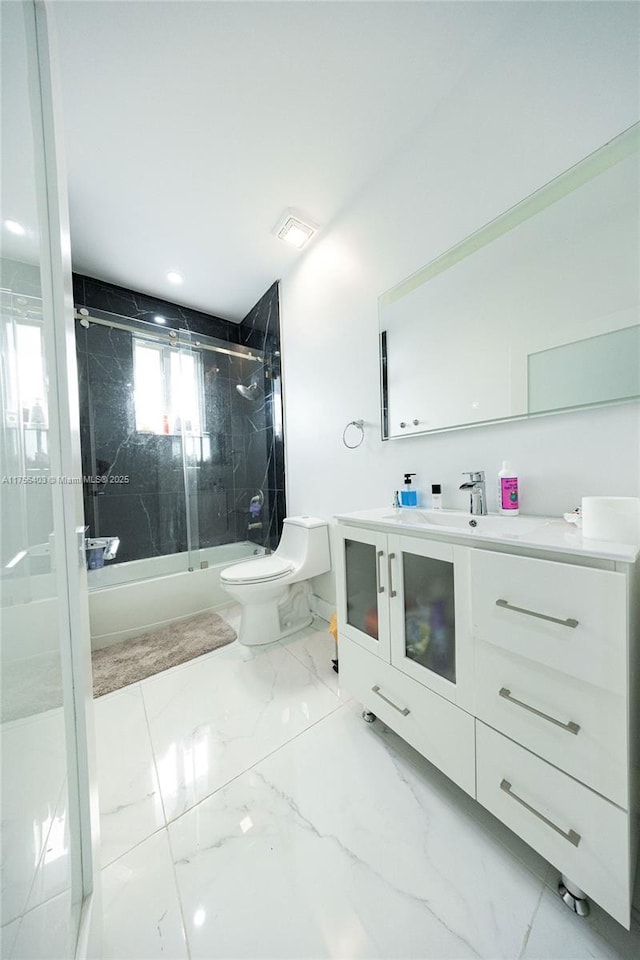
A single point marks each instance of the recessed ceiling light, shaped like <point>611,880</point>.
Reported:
<point>159,319</point>
<point>293,229</point>
<point>14,227</point>
<point>174,277</point>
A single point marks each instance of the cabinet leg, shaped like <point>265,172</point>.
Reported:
<point>368,716</point>
<point>573,897</point>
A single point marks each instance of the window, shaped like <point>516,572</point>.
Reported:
<point>26,388</point>
<point>168,389</point>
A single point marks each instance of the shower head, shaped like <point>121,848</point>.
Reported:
<point>252,392</point>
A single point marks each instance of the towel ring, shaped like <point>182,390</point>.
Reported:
<point>360,426</point>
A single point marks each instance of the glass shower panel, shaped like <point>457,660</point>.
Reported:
<point>175,440</point>
<point>36,854</point>
<point>186,419</point>
<point>249,389</point>
<point>227,457</point>
<point>132,446</point>
<point>40,868</point>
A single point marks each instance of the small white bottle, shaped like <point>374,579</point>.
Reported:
<point>508,497</point>
<point>436,496</point>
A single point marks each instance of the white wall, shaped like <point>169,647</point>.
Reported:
<point>561,80</point>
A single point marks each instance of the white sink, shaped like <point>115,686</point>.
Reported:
<point>491,525</point>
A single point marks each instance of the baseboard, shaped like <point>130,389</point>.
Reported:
<point>321,608</point>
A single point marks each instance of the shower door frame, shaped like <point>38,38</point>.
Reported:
<point>57,299</point>
<point>184,340</point>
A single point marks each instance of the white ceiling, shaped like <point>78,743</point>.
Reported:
<point>191,126</point>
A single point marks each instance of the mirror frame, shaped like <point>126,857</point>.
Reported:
<point>619,148</point>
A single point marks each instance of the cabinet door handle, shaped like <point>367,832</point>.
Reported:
<point>404,711</point>
<point>569,622</point>
<point>391,557</point>
<point>380,555</point>
<point>570,727</point>
<point>571,835</point>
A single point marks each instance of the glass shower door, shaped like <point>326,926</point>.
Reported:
<point>188,419</point>
<point>46,862</point>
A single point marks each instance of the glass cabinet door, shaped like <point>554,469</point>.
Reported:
<point>428,613</point>
<point>363,603</point>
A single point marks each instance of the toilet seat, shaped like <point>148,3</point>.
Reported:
<point>262,570</point>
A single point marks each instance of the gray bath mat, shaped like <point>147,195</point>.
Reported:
<point>132,660</point>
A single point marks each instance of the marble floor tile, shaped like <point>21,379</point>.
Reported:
<point>8,934</point>
<point>34,773</point>
<point>46,933</point>
<point>53,875</point>
<point>315,649</point>
<point>231,613</point>
<point>558,934</point>
<point>130,803</point>
<point>213,719</point>
<point>469,806</point>
<point>142,919</point>
<point>299,831</point>
<point>355,850</point>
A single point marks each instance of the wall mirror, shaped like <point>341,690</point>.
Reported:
<point>535,313</point>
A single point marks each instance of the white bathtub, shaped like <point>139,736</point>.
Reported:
<point>126,599</point>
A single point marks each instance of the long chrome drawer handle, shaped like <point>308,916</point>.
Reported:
<point>405,712</point>
<point>571,727</point>
<point>380,556</point>
<point>571,836</point>
<point>569,622</point>
<point>392,592</point>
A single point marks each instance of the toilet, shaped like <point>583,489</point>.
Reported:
<point>273,591</point>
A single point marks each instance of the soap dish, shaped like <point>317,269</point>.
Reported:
<point>573,517</point>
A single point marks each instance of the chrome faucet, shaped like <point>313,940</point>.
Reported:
<point>476,487</point>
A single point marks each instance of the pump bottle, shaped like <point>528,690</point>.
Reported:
<point>508,497</point>
<point>408,496</point>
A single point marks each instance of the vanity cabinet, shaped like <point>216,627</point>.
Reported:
<point>406,600</point>
<point>551,663</point>
<point>404,647</point>
<point>527,701</point>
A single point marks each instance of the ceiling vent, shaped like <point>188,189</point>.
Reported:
<point>294,229</point>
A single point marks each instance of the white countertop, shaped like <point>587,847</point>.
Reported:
<point>541,533</point>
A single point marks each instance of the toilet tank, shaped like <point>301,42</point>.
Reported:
<point>305,544</point>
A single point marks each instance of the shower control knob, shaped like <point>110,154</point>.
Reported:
<point>402,424</point>
<point>416,422</point>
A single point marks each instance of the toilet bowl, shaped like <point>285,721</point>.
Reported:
<point>273,591</point>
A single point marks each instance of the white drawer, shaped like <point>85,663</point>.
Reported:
<point>570,618</point>
<point>584,836</point>
<point>589,736</point>
<point>440,731</point>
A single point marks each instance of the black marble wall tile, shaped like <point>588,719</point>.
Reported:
<point>215,524</point>
<point>260,328</point>
<point>241,459</point>
<point>149,525</point>
<point>90,292</point>
<point>108,342</point>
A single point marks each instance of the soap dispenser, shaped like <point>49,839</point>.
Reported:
<point>508,495</point>
<point>408,496</point>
